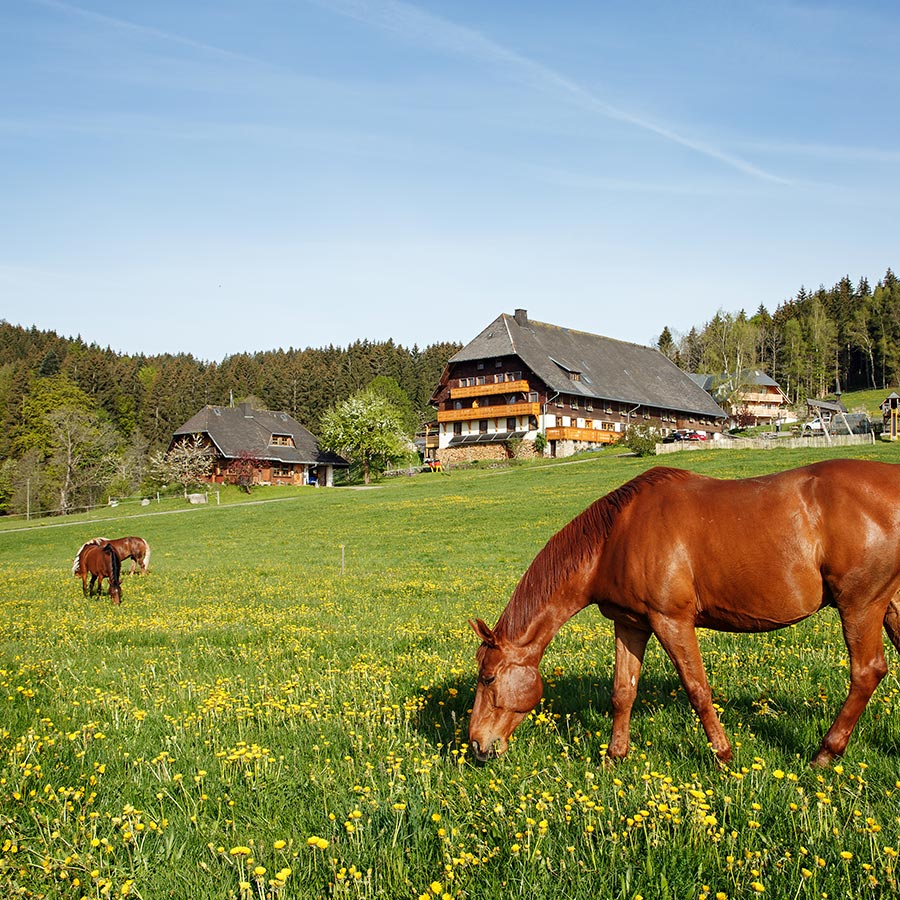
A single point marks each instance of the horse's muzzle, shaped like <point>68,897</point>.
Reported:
<point>496,748</point>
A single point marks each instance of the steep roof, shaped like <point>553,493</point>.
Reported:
<point>607,369</point>
<point>242,430</point>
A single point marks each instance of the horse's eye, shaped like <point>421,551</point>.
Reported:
<point>488,679</point>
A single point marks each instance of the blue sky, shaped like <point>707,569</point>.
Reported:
<point>219,176</point>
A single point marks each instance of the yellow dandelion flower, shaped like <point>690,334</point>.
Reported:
<point>846,854</point>
<point>240,851</point>
<point>757,886</point>
<point>436,887</point>
<point>279,845</point>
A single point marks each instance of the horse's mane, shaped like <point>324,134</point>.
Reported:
<point>568,549</point>
<point>115,566</point>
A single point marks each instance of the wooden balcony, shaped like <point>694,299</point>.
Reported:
<point>589,435</point>
<point>484,390</point>
<point>474,413</point>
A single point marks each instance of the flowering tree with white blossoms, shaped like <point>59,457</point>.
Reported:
<point>366,429</point>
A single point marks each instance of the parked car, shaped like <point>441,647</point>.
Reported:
<point>674,436</point>
<point>816,425</point>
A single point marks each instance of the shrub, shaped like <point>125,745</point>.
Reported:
<point>641,439</point>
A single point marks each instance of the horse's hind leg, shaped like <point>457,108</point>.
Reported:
<point>679,639</point>
<point>630,646</point>
<point>862,635</point>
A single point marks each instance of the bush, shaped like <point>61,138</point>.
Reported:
<point>641,439</point>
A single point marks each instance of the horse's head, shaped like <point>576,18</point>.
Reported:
<point>509,687</point>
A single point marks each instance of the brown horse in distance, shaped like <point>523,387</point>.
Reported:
<point>99,561</point>
<point>134,548</point>
<point>671,551</point>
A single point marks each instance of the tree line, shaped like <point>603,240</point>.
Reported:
<point>815,344</point>
<point>80,421</point>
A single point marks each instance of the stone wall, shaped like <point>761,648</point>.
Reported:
<point>476,452</point>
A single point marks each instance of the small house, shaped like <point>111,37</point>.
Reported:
<point>258,446</point>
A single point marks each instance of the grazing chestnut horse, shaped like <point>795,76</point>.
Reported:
<point>134,548</point>
<point>100,561</point>
<point>671,551</point>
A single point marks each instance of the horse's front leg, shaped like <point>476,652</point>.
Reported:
<point>631,642</point>
<point>679,639</point>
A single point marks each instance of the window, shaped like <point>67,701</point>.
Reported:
<point>482,426</point>
<point>574,376</point>
<point>282,471</point>
<point>479,379</point>
<point>533,397</point>
<point>589,405</point>
<point>282,440</point>
<point>511,423</point>
<point>457,427</point>
<point>574,403</point>
<point>480,366</point>
<point>498,363</point>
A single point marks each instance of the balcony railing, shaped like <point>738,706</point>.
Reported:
<point>474,413</point>
<point>588,435</point>
<point>483,390</point>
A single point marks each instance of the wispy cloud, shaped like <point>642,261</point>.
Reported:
<point>423,28</point>
<point>145,30</point>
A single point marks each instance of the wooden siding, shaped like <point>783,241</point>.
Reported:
<point>588,435</point>
<point>474,413</point>
<point>484,390</point>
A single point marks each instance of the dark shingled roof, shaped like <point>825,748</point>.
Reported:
<point>609,369</point>
<point>239,430</point>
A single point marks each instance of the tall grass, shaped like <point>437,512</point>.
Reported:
<point>254,722</point>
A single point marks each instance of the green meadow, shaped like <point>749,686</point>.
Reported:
<point>279,710</point>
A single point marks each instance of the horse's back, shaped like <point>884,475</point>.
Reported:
<point>757,553</point>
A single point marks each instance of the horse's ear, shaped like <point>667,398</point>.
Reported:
<point>485,633</point>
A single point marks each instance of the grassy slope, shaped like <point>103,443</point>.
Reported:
<point>246,693</point>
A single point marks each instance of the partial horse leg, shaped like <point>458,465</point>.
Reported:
<point>631,643</point>
<point>862,635</point>
<point>84,587</point>
<point>679,639</point>
<point>892,622</point>
<point>93,582</point>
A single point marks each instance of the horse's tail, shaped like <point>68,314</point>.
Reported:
<point>892,622</point>
<point>146,563</point>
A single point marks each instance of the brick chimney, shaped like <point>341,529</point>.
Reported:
<point>521,317</point>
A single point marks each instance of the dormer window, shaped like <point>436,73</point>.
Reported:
<point>282,440</point>
<point>574,376</point>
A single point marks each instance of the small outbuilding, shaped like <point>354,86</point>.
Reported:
<point>258,446</point>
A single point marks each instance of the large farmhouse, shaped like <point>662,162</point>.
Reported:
<point>521,378</point>
<point>256,446</point>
